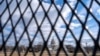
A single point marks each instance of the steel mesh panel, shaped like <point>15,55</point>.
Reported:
<point>23,22</point>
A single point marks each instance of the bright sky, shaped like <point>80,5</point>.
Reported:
<point>75,26</point>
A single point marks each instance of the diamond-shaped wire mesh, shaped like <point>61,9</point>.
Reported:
<point>49,28</point>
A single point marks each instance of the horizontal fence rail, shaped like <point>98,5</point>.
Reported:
<point>49,28</point>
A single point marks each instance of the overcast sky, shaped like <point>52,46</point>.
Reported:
<point>60,26</point>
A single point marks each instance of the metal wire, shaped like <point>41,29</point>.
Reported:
<point>53,30</point>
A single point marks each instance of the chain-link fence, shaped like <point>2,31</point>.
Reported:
<point>49,27</point>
